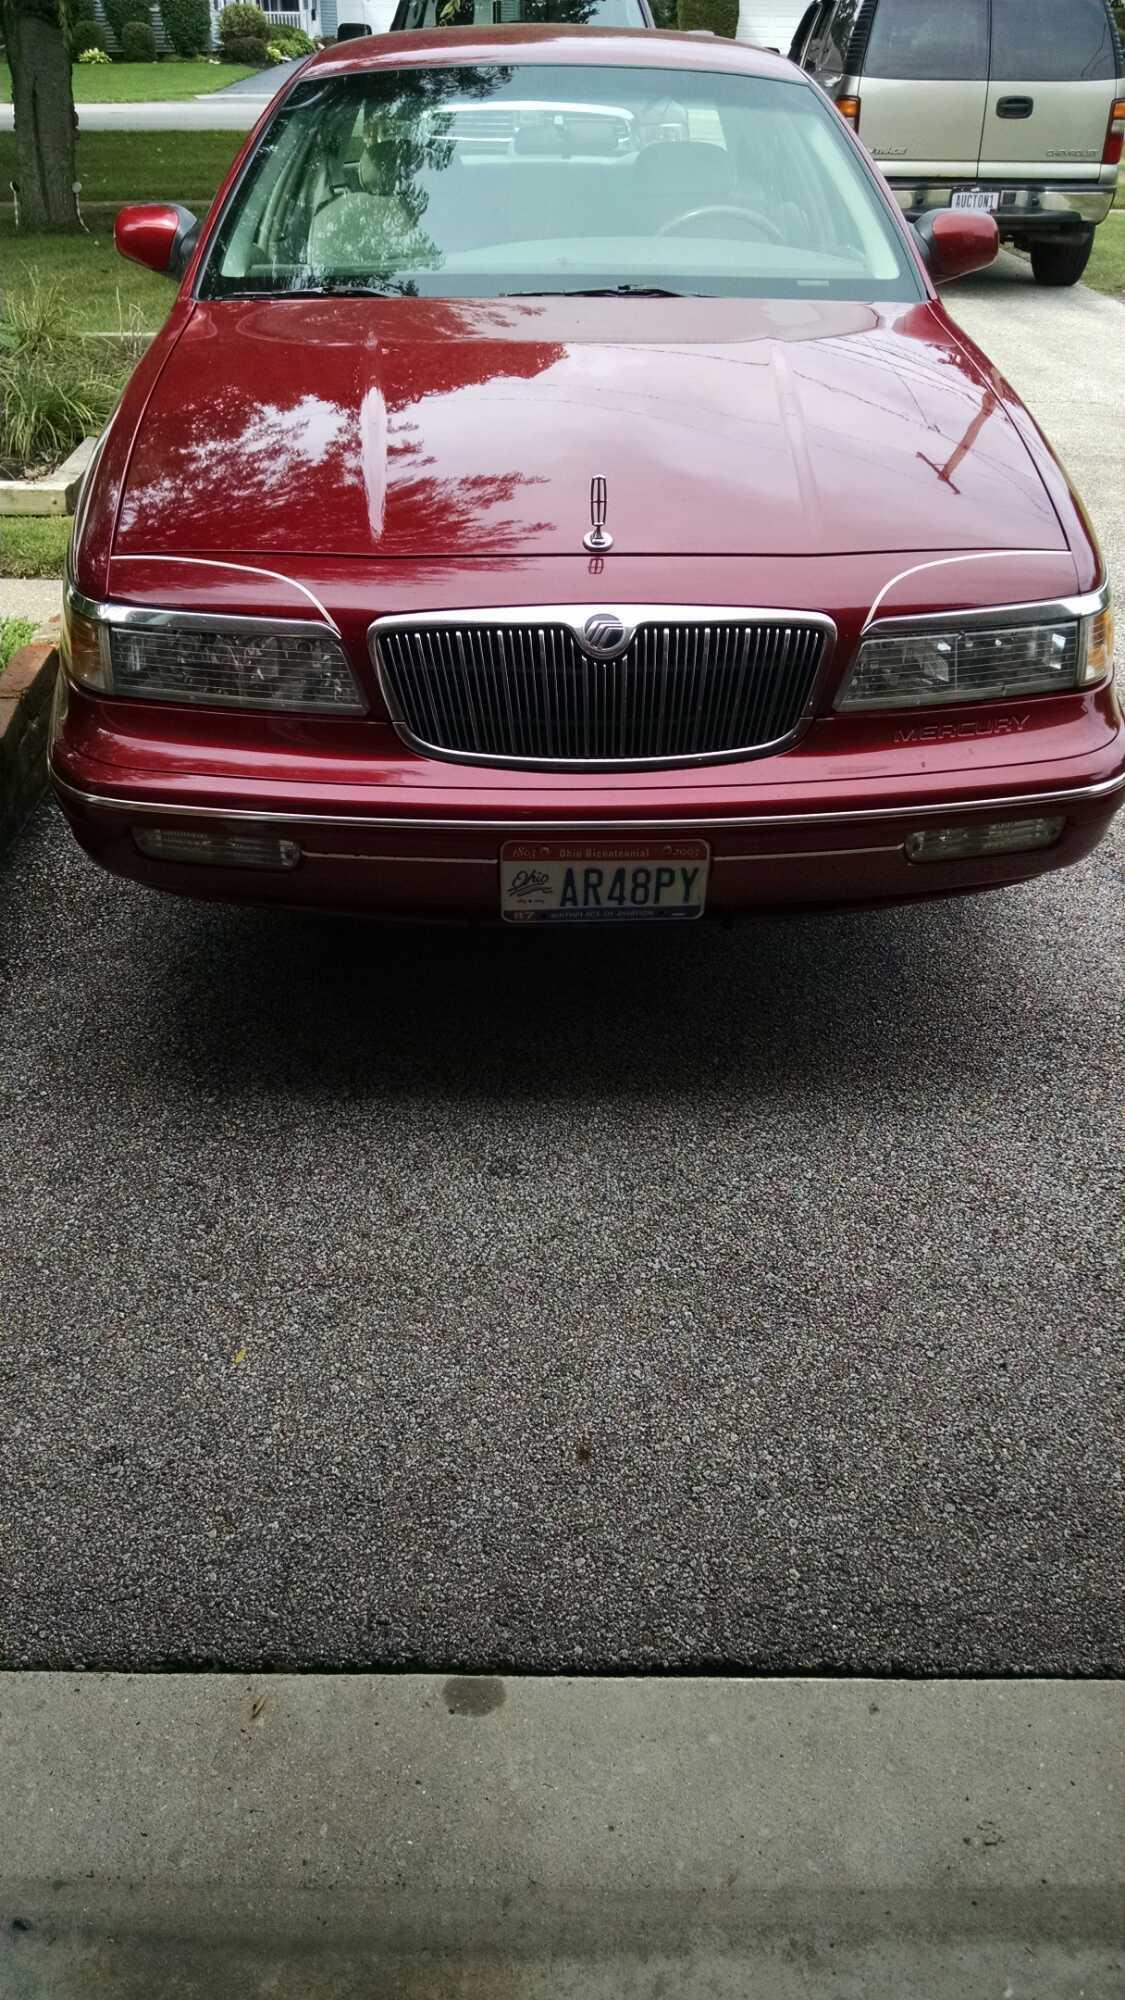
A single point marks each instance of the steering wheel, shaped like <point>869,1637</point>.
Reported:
<point>761,224</point>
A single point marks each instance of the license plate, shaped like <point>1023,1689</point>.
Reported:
<point>592,882</point>
<point>987,199</point>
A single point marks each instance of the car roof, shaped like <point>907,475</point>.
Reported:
<point>551,42</point>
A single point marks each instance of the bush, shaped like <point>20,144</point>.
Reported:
<point>93,56</point>
<point>36,321</point>
<point>117,13</point>
<point>86,35</point>
<point>138,43</point>
<point>291,42</point>
<point>46,409</point>
<point>187,24</point>
<point>14,633</point>
<point>721,16</point>
<point>241,22</point>
<point>247,49</point>
<point>53,392</point>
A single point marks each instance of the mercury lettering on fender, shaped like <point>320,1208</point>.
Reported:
<point>956,732</point>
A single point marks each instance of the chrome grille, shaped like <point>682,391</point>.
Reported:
<point>499,689</point>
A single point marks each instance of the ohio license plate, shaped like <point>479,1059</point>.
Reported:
<point>591,882</point>
<point>986,199</point>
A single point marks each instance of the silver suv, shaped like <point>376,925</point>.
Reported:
<point>1016,106</point>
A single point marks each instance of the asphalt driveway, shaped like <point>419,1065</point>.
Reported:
<point>730,1297</point>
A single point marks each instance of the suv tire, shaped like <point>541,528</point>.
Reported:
<point>1062,262</point>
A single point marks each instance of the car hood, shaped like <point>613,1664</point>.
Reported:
<point>434,428</point>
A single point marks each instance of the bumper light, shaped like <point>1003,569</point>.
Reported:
<point>216,850</point>
<point>930,665</point>
<point>971,843</point>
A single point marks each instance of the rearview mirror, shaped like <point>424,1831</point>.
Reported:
<point>158,234</point>
<point>955,241</point>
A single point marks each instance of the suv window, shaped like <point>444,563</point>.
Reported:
<point>931,41</point>
<point>832,34</point>
<point>1039,41</point>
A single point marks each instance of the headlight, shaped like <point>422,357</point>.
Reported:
<point>903,667</point>
<point>289,664</point>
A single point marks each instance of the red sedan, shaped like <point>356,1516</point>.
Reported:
<point>558,494</point>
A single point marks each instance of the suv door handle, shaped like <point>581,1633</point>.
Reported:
<point>1015,107</point>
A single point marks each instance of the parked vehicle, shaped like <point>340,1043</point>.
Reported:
<point>364,17</point>
<point>1015,107</point>
<point>554,539</point>
<point>411,14</point>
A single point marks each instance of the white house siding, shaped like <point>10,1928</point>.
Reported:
<point>163,45</point>
<point>773,26</point>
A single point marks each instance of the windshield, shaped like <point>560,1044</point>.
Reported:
<point>491,181</point>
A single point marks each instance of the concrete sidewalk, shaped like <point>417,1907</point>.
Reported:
<point>38,598</point>
<point>214,1838</point>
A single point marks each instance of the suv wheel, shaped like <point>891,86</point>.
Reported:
<point>1062,261</point>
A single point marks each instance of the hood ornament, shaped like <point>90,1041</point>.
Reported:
<point>599,538</point>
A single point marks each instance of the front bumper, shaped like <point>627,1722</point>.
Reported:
<point>1026,211</point>
<point>449,869</point>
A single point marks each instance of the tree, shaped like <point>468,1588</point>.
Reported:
<point>35,36</point>
<point>721,16</point>
<point>187,24</point>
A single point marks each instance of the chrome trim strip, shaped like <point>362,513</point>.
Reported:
<point>151,618</point>
<point>247,569</point>
<point>490,860</point>
<point>998,615</point>
<point>573,617</point>
<point>411,860</point>
<point>947,562</point>
<point>514,827</point>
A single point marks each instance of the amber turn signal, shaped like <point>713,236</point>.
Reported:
<point>82,648</point>
<point>1099,646</point>
<point>848,108</point>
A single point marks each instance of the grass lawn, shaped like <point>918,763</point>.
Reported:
<point>1106,269</point>
<point>141,83</point>
<point>14,632</point>
<point>103,291</point>
<point>34,548</point>
<point>143,166</point>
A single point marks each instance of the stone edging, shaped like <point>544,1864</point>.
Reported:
<point>26,687</point>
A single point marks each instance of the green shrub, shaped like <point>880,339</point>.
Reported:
<point>242,22</point>
<point>47,408</point>
<point>138,43</point>
<point>291,42</point>
<point>36,321</point>
<point>14,633</point>
<point>247,49</point>
<point>93,56</point>
<point>117,13</point>
<point>54,389</point>
<point>86,34</point>
<point>721,16</point>
<point>187,24</point>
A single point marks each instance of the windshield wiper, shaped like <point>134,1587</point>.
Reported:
<point>607,292</point>
<point>391,289</point>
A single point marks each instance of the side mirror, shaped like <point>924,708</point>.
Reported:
<point>159,234</point>
<point>956,241</point>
